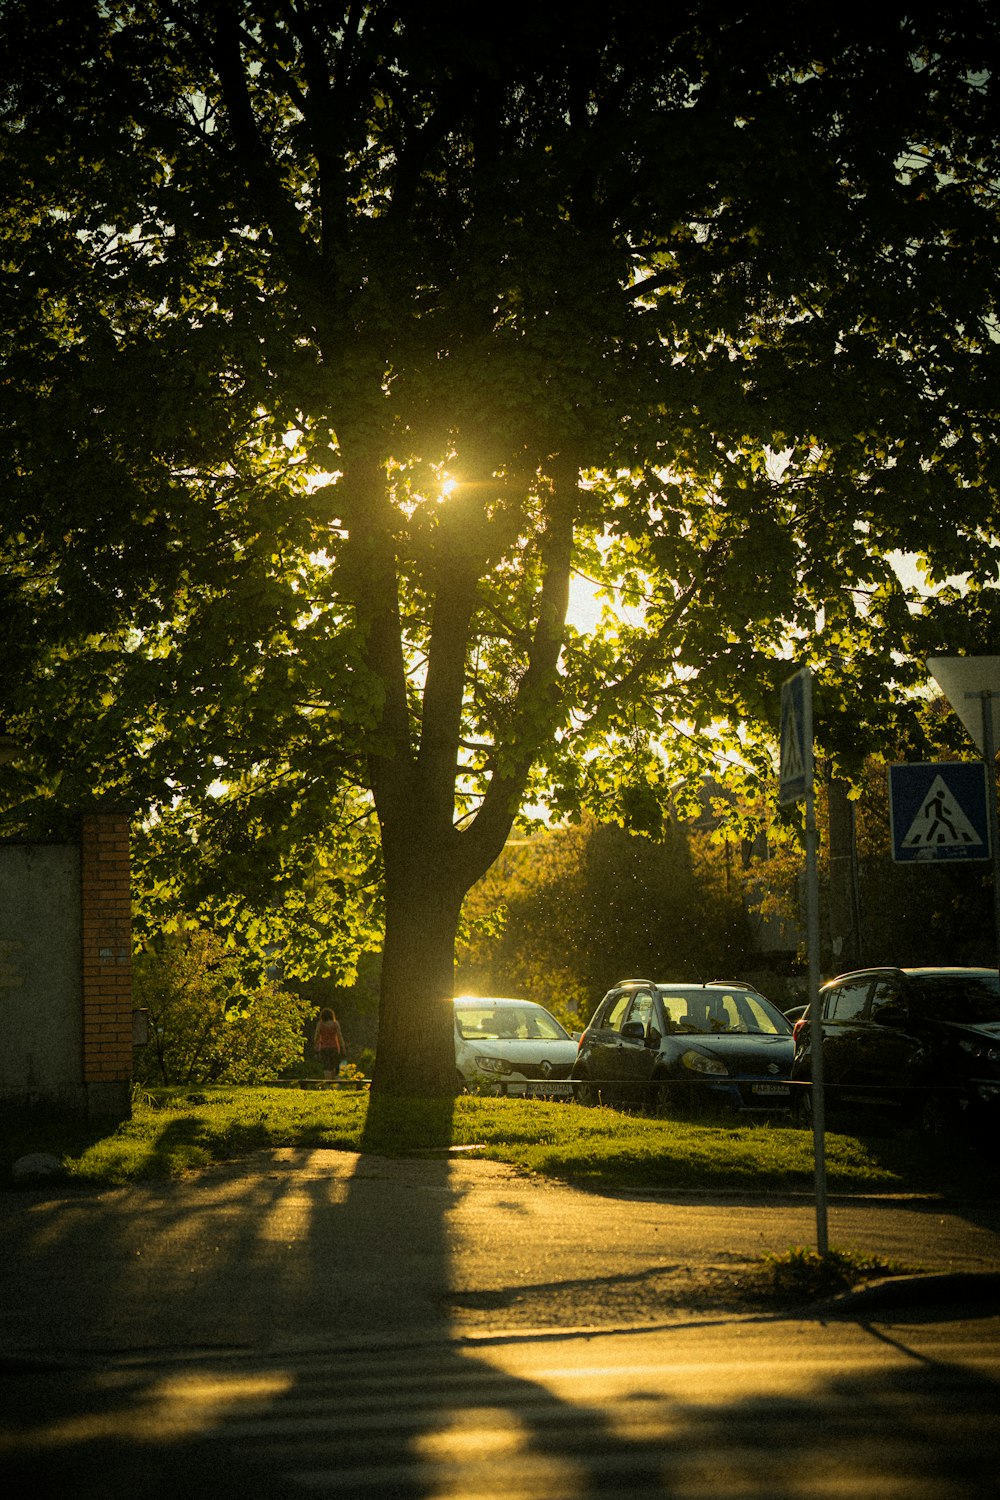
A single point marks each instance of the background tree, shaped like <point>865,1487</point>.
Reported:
<point>335,338</point>
<point>917,914</point>
<point>586,906</point>
<point>906,914</point>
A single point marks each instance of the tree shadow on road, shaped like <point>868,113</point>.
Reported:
<point>292,1332</point>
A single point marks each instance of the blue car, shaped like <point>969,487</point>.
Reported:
<point>684,1047</point>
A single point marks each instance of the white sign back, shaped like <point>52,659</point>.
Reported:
<point>964,680</point>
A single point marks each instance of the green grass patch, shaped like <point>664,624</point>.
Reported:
<point>608,1149</point>
<point>802,1272</point>
<point>176,1131</point>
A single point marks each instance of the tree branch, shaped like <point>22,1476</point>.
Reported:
<point>627,685</point>
<point>226,54</point>
<point>536,702</point>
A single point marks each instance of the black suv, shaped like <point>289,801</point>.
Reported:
<point>922,1043</point>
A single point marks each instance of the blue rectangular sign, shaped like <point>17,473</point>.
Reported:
<point>938,810</point>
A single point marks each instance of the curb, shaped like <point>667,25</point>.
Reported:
<point>978,1290</point>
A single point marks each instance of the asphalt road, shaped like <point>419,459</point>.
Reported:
<point>298,1247</point>
<point>903,1408</point>
<point>320,1323</point>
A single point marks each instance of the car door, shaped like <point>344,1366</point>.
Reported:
<point>600,1059</point>
<point>845,1006</point>
<point>890,1055</point>
<point>638,1048</point>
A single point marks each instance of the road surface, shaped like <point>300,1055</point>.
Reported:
<point>297,1246</point>
<point>316,1323</point>
<point>760,1409</point>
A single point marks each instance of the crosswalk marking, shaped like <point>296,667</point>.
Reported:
<point>444,1422</point>
<point>697,1411</point>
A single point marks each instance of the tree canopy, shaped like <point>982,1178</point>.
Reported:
<point>337,339</point>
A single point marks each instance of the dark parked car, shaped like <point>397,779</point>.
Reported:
<point>682,1046</point>
<point>923,1044</point>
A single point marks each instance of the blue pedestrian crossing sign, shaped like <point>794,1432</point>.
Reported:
<point>795,772</point>
<point>938,810</point>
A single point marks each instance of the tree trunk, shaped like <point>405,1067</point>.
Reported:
<point>416,1039</point>
<point>429,861</point>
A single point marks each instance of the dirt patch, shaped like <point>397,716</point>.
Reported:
<point>737,1287</point>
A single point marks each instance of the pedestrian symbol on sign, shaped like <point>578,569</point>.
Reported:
<point>940,822</point>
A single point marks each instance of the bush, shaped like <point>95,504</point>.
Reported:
<point>207,1023</point>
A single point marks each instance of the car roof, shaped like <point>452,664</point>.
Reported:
<point>688,985</point>
<point>948,972</point>
<point>492,1000</point>
<point>930,971</point>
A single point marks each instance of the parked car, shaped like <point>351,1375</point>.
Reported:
<point>514,1045</point>
<point>676,1046</point>
<point>923,1044</point>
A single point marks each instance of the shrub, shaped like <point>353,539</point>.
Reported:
<point>207,1023</point>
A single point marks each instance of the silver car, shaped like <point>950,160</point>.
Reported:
<point>511,1047</point>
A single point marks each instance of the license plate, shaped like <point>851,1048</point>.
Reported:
<point>555,1087</point>
<point>779,1089</point>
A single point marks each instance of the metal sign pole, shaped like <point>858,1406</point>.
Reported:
<point>989,752</point>
<point>815,1018</point>
<point>797,782</point>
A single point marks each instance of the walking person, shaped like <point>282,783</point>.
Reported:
<point>328,1040</point>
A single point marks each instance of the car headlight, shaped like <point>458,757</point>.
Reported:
<point>991,1054</point>
<point>700,1062</point>
<point>493,1065</point>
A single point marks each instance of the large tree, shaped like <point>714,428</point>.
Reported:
<point>337,337</point>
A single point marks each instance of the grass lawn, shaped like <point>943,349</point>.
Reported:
<point>180,1130</point>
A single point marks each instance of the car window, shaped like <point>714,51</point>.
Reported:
<point>886,996</point>
<point>641,1009</point>
<point>525,1022</point>
<point>614,1012</point>
<point>757,1017</point>
<point>714,1011</point>
<point>974,999</point>
<point>721,1011</point>
<point>538,1023</point>
<point>675,1012</point>
<point>847,1002</point>
<point>478,1021</point>
<point>492,1021</point>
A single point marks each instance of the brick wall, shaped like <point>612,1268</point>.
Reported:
<point>106,931</point>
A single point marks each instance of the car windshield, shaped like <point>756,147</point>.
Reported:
<point>518,1022</point>
<point>715,1012</point>
<point>974,999</point>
